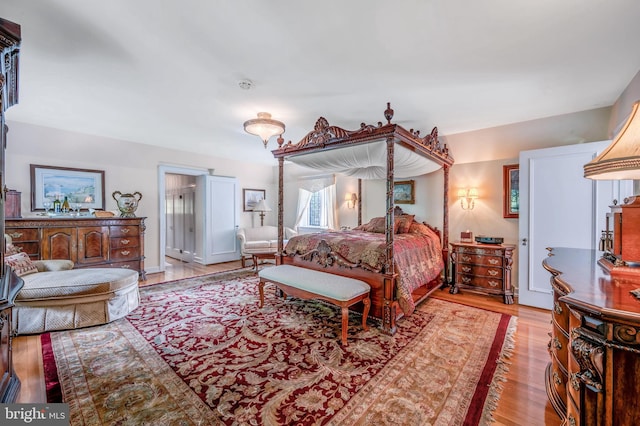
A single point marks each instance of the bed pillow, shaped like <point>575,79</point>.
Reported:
<point>377,224</point>
<point>403,223</point>
<point>21,264</point>
<point>420,228</point>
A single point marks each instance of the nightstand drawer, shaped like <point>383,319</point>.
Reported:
<point>484,271</point>
<point>482,282</point>
<point>480,259</point>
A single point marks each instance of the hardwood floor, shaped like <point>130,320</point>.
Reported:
<point>523,400</point>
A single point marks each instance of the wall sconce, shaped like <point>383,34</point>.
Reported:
<point>467,197</point>
<point>351,199</point>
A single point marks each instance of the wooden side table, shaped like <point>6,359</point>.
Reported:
<point>483,268</point>
<point>262,256</point>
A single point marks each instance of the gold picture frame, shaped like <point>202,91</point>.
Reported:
<point>404,192</point>
<point>511,191</point>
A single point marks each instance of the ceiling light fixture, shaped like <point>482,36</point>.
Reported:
<point>264,127</point>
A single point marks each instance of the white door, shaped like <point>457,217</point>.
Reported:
<point>558,208</point>
<point>218,239</point>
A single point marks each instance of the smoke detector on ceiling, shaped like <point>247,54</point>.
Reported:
<point>245,84</point>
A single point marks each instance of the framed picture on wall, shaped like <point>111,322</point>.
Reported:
<point>403,192</point>
<point>251,197</point>
<point>84,187</point>
<point>511,190</point>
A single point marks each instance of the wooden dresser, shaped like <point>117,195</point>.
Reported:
<point>89,242</point>
<point>484,268</point>
<point>594,374</point>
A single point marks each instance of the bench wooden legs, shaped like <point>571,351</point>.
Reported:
<point>343,304</point>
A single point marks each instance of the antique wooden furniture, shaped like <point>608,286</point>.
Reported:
<point>114,242</point>
<point>9,283</point>
<point>483,268</point>
<point>382,151</point>
<point>594,374</point>
<point>309,284</point>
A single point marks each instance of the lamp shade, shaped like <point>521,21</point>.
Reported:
<point>261,207</point>
<point>264,127</point>
<point>621,159</point>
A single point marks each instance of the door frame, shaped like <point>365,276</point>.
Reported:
<point>163,169</point>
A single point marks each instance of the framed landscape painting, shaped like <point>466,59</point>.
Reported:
<point>404,192</point>
<point>251,197</point>
<point>81,186</point>
<point>511,190</point>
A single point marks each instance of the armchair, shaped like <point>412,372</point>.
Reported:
<point>260,240</point>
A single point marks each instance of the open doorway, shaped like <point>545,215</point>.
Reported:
<point>180,196</point>
<point>177,213</point>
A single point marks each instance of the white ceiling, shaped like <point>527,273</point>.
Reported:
<point>166,72</point>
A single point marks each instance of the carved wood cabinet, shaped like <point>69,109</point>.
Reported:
<point>594,374</point>
<point>89,242</point>
<point>10,284</point>
<point>483,268</point>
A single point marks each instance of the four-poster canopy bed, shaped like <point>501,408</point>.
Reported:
<point>409,264</point>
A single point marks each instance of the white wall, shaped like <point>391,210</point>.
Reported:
<point>128,167</point>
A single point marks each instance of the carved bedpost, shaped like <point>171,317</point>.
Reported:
<point>445,224</point>
<point>280,209</point>
<point>389,310</point>
<point>359,202</point>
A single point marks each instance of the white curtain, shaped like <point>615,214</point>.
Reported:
<point>307,187</point>
<point>303,205</point>
<point>329,207</point>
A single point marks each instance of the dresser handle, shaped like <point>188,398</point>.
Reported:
<point>557,344</point>
<point>465,269</point>
<point>125,252</point>
<point>572,420</point>
<point>556,378</point>
<point>494,261</point>
<point>557,308</point>
<point>466,280</point>
<point>493,273</point>
<point>15,235</point>
<point>125,242</point>
<point>125,266</point>
<point>465,258</point>
<point>125,230</point>
<point>493,283</point>
<point>575,381</point>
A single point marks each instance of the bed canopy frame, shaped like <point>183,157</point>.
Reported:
<point>325,137</point>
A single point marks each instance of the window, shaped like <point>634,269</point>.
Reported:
<point>317,209</point>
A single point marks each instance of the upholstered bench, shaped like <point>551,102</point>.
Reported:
<point>311,284</point>
<point>74,298</point>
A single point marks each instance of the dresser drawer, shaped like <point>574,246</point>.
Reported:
<point>125,253</point>
<point>23,234</point>
<point>480,259</point>
<point>124,231</point>
<point>31,248</point>
<point>560,312</point>
<point>125,242</point>
<point>559,344</point>
<point>133,265</point>
<point>559,380</point>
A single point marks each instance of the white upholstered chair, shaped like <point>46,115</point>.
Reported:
<point>260,240</point>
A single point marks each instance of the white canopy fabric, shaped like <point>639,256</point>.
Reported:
<point>367,161</point>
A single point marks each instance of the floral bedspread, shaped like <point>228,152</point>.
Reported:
<point>417,256</point>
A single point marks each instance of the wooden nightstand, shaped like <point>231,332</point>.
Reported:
<point>483,268</point>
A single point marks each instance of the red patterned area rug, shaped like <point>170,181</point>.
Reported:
<point>200,351</point>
